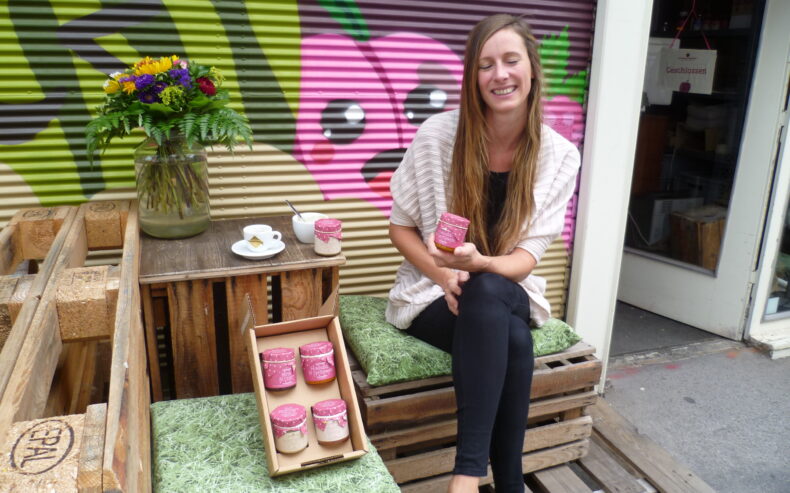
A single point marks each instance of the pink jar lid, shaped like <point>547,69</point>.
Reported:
<point>329,407</point>
<point>454,220</point>
<point>278,354</point>
<point>316,348</point>
<point>288,415</point>
<point>328,225</point>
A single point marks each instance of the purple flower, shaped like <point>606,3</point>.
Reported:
<point>148,97</point>
<point>178,73</point>
<point>159,87</point>
<point>128,78</point>
<point>143,81</point>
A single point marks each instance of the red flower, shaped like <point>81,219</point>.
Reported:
<point>207,86</point>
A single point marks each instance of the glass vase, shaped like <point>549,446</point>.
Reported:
<point>172,188</point>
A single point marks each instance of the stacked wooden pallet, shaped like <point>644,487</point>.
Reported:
<point>412,424</point>
<point>77,338</point>
<point>620,459</point>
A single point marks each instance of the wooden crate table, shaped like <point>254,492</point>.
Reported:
<point>412,424</point>
<point>193,288</point>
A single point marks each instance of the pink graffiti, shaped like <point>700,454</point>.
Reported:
<point>566,117</point>
<point>361,104</point>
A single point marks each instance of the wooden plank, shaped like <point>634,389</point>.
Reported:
<point>127,452</point>
<point>301,294</point>
<point>193,338</point>
<point>209,255</point>
<point>41,455</point>
<point>579,349</point>
<point>422,406</point>
<point>568,377</point>
<point>7,288</point>
<point>24,285</point>
<point>20,333</point>
<point>67,384</point>
<point>89,473</point>
<point>104,223</point>
<point>560,479</point>
<point>152,349</point>
<point>10,251</point>
<point>529,462</point>
<point>659,467</point>
<point>440,461</point>
<point>608,472</point>
<point>236,288</point>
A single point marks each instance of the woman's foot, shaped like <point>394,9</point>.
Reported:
<point>463,484</point>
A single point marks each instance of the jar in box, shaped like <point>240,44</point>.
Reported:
<point>289,422</point>
<point>327,236</point>
<point>331,421</point>
<point>450,232</point>
<point>318,362</point>
<point>279,368</point>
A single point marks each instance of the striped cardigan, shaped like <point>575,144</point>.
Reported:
<point>419,191</point>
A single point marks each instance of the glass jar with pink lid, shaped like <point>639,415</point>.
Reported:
<point>450,232</point>
<point>318,362</point>
<point>328,233</point>
<point>289,423</point>
<point>279,368</point>
<point>331,421</point>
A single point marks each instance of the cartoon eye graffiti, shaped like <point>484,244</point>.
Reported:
<point>342,121</point>
<point>424,101</point>
<point>361,103</point>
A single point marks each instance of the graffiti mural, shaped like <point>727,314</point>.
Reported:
<point>340,85</point>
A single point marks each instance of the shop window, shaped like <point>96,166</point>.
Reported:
<point>689,136</point>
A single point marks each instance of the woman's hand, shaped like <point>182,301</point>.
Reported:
<point>465,257</point>
<point>452,287</point>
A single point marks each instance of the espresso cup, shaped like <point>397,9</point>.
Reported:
<point>259,237</point>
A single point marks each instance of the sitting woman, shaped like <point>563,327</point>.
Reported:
<point>495,163</point>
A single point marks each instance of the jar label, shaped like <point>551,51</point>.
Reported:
<point>318,369</point>
<point>279,375</point>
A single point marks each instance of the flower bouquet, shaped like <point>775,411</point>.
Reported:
<point>182,108</point>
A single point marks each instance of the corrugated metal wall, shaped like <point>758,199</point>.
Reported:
<point>292,67</point>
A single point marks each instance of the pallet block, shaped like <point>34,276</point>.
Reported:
<point>413,425</point>
<point>53,454</point>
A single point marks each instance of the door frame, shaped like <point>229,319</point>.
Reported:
<point>622,29</point>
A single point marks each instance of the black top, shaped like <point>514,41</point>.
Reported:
<point>497,191</point>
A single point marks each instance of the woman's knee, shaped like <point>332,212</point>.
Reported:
<point>487,285</point>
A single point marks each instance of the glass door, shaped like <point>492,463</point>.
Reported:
<point>692,244</point>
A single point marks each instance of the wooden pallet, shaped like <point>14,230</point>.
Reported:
<point>619,460</point>
<point>413,425</point>
<point>68,356</point>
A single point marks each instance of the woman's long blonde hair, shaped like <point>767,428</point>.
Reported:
<point>469,170</point>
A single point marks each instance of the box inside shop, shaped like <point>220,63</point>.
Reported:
<point>293,334</point>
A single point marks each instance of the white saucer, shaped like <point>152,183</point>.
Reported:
<point>241,248</point>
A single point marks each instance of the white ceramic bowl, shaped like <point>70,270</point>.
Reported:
<point>304,229</point>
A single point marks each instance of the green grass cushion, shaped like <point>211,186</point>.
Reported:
<point>215,444</point>
<point>389,355</point>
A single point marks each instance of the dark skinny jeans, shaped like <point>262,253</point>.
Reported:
<point>492,372</point>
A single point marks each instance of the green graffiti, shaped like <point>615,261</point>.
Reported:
<point>347,13</point>
<point>265,105</point>
<point>36,30</point>
<point>554,52</point>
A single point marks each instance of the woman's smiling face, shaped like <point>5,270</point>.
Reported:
<point>504,76</point>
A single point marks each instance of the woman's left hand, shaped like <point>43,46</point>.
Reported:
<point>465,257</point>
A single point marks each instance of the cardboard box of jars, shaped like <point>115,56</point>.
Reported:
<point>285,439</point>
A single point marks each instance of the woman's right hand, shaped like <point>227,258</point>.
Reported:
<point>451,285</point>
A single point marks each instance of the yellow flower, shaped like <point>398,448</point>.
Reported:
<point>111,86</point>
<point>128,87</point>
<point>150,66</point>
